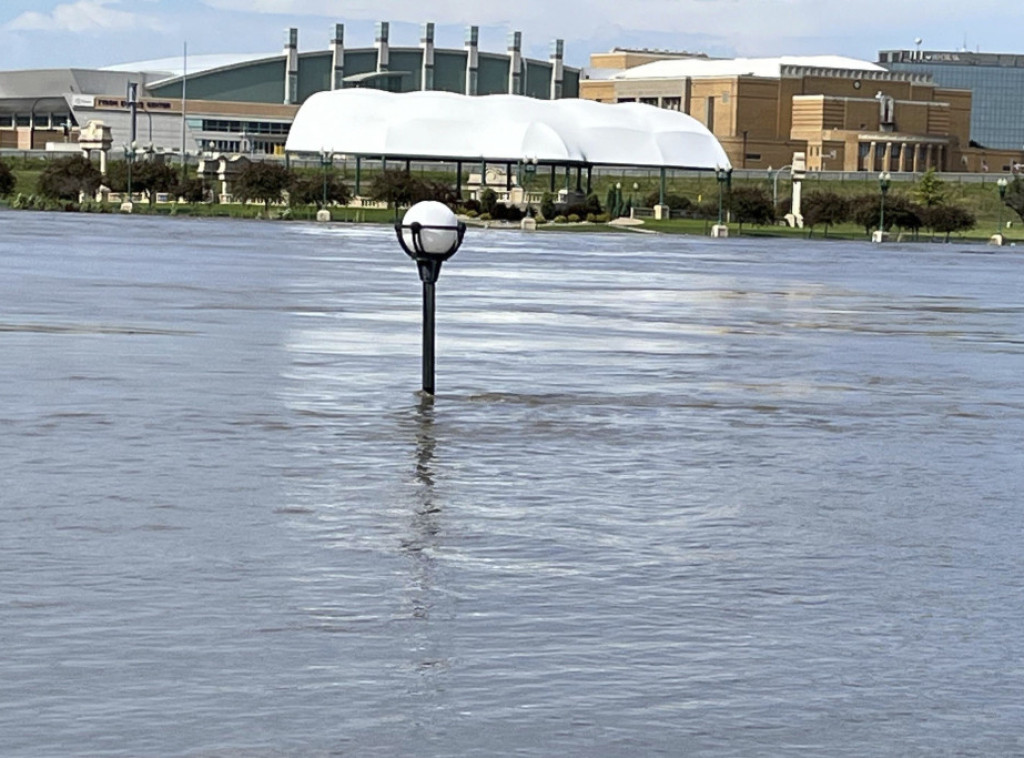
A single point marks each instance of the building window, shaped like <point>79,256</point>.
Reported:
<point>6,119</point>
<point>672,103</point>
<point>709,113</point>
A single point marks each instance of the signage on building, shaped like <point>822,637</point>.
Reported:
<point>122,104</point>
<point>83,101</point>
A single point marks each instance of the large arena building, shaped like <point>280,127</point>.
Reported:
<point>246,104</point>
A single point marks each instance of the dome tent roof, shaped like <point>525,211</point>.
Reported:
<point>448,126</point>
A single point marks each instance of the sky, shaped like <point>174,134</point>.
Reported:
<point>95,33</point>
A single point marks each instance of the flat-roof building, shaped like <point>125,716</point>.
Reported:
<point>844,114</point>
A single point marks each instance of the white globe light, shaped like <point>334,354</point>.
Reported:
<point>431,213</point>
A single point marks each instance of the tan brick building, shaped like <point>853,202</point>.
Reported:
<point>844,114</point>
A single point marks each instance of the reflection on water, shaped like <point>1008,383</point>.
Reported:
<point>674,495</point>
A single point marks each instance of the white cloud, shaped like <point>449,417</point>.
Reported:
<point>82,16</point>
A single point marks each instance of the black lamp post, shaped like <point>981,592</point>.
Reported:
<point>528,166</point>
<point>884,180</point>
<point>722,175</point>
<point>1001,185</point>
<point>326,159</point>
<point>430,234</point>
<point>129,156</point>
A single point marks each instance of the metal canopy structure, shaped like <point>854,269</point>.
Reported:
<point>443,126</point>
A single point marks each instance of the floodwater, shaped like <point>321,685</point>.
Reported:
<point>675,496</point>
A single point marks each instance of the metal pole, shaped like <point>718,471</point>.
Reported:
<point>661,188</point>
<point>428,337</point>
<point>184,105</point>
<point>721,181</point>
<point>323,160</point>
<point>359,165</point>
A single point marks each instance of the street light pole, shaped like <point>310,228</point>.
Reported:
<point>997,238</point>
<point>325,161</point>
<point>884,180</point>
<point>775,183</point>
<point>1001,184</point>
<point>721,176</point>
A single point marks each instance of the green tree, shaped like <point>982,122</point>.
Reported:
<point>67,178</point>
<point>117,176</point>
<point>828,208</point>
<point>946,219</point>
<point>488,200</point>
<point>396,187</point>
<point>308,189</point>
<point>152,177</point>
<point>547,206</point>
<point>865,211</point>
<point>674,202</point>
<point>1015,196</point>
<point>440,191</point>
<point>751,205</point>
<point>193,190</point>
<point>930,190</point>
<point>904,214</point>
<point>262,182</point>
<point>7,180</point>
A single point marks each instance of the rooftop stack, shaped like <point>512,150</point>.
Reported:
<point>472,59</point>
<point>291,58</point>
<point>338,57</point>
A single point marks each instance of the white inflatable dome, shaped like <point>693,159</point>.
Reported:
<point>501,128</point>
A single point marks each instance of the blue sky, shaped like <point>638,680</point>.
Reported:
<point>58,33</point>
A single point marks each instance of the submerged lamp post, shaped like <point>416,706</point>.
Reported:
<point>884,180</point>
<point>430,234</point>
<point>326,159</point>
<point>326,162</point>
<point>722,176</point>
<point>1001,184</point>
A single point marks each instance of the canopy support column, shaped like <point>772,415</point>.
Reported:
<point>458,180</point>
<point>359,173</point>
